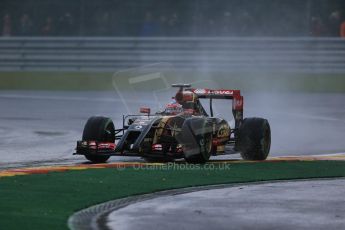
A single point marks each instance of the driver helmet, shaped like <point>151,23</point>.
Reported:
<point>173,108</point>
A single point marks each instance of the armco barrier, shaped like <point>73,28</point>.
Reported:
<point>305,55</point>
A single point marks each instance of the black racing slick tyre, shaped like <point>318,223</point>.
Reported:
<point>196,139</point>
<point>254,137</point>
<point>99,129</point>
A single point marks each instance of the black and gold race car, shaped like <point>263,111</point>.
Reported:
<point>182,130</point>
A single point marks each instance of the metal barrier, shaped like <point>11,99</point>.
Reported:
<point>306,55</point>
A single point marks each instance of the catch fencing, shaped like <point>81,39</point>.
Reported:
<point>305,55</point>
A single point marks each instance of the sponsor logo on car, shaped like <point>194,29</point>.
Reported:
<point>200,91</point>
<point>223,92</point>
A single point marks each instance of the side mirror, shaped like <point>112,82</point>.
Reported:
<point>145,110</point>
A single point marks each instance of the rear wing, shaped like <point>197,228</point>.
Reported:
<point>234,95</point>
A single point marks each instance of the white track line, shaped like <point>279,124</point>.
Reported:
<point>308,156</point>
<point>331,154</point>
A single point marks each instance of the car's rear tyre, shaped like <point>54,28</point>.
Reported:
<point>99,129</point>
<point>254,139</point>
<point>196,139</point>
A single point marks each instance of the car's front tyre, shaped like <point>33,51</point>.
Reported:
<point>196,140</point>
<point>100,129</point>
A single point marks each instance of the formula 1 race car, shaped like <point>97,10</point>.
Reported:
<point>182,130</point>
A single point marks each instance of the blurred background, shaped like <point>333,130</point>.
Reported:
<point>172,18</point>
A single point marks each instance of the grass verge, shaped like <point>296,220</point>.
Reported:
<point>45,201</point>
<point>268,82</point>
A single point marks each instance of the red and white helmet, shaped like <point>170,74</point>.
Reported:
<point>173,108</point>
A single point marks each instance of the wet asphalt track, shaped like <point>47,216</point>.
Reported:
<point>41,128</point>
<point>317,204</point>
